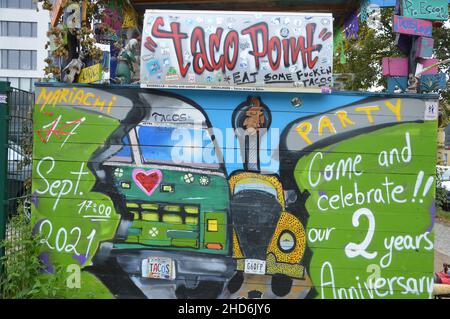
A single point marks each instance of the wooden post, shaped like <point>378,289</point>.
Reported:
<point>84,9</point>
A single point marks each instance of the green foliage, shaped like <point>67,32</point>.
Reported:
<point>364,55</point>
<point>442,214</point>
<point>24,275</point>
<point>442,50</point>
<point>441,192</point>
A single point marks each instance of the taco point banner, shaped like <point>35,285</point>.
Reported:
<point>237,50</point>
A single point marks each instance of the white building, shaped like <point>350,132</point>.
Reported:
<point>23,35</point>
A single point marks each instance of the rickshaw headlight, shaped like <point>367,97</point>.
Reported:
<point>286,241</point>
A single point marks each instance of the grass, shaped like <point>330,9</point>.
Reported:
<point>91,288</point>
<point>442,214</point>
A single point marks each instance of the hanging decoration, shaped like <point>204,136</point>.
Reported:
<point>364,12</point>
<point>57,45</point>
<point>351,25</point>
<point>111,15</point>
<point>72,16</point>
<point>71,33</point>
<point>130,17</point>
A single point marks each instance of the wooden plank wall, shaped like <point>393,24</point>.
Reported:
<point>339,203</point>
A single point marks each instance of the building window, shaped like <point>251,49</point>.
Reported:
<point>25,60</point>
<point>33,60</point>
<point>17,4</point>
<point>18,29</point>
<point>14,29</point>
<point>3,58</point>
<point>26,84</point>
<point>13,59</point>
<point>18,59</point>
<point>25,29</point>
<point>14,82</point>
<point>34,29</point>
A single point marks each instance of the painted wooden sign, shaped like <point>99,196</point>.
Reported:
<point>57,11</point>
<point>334,199</point>
<point>91,74</point>
<point>237,50</point>
<point>433,82</point>
<point>73,15</point>
<point>84,10</point>
<point>397,83</point>
<point>424,47</point>
<point>425,9</point>
<point>413,26</point>
<point>425,63</point>
<point>395,66</point>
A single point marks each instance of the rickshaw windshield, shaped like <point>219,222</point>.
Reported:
<point>184,146</point>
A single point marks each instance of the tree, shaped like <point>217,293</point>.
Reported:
<point>364,55</point>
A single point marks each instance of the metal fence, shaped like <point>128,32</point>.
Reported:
<point>16,144</point>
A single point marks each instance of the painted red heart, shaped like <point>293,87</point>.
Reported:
<point>147,181</point>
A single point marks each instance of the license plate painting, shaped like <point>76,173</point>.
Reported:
<point>254,266</point>
<point>237,50</point>
<point>158,268</point>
